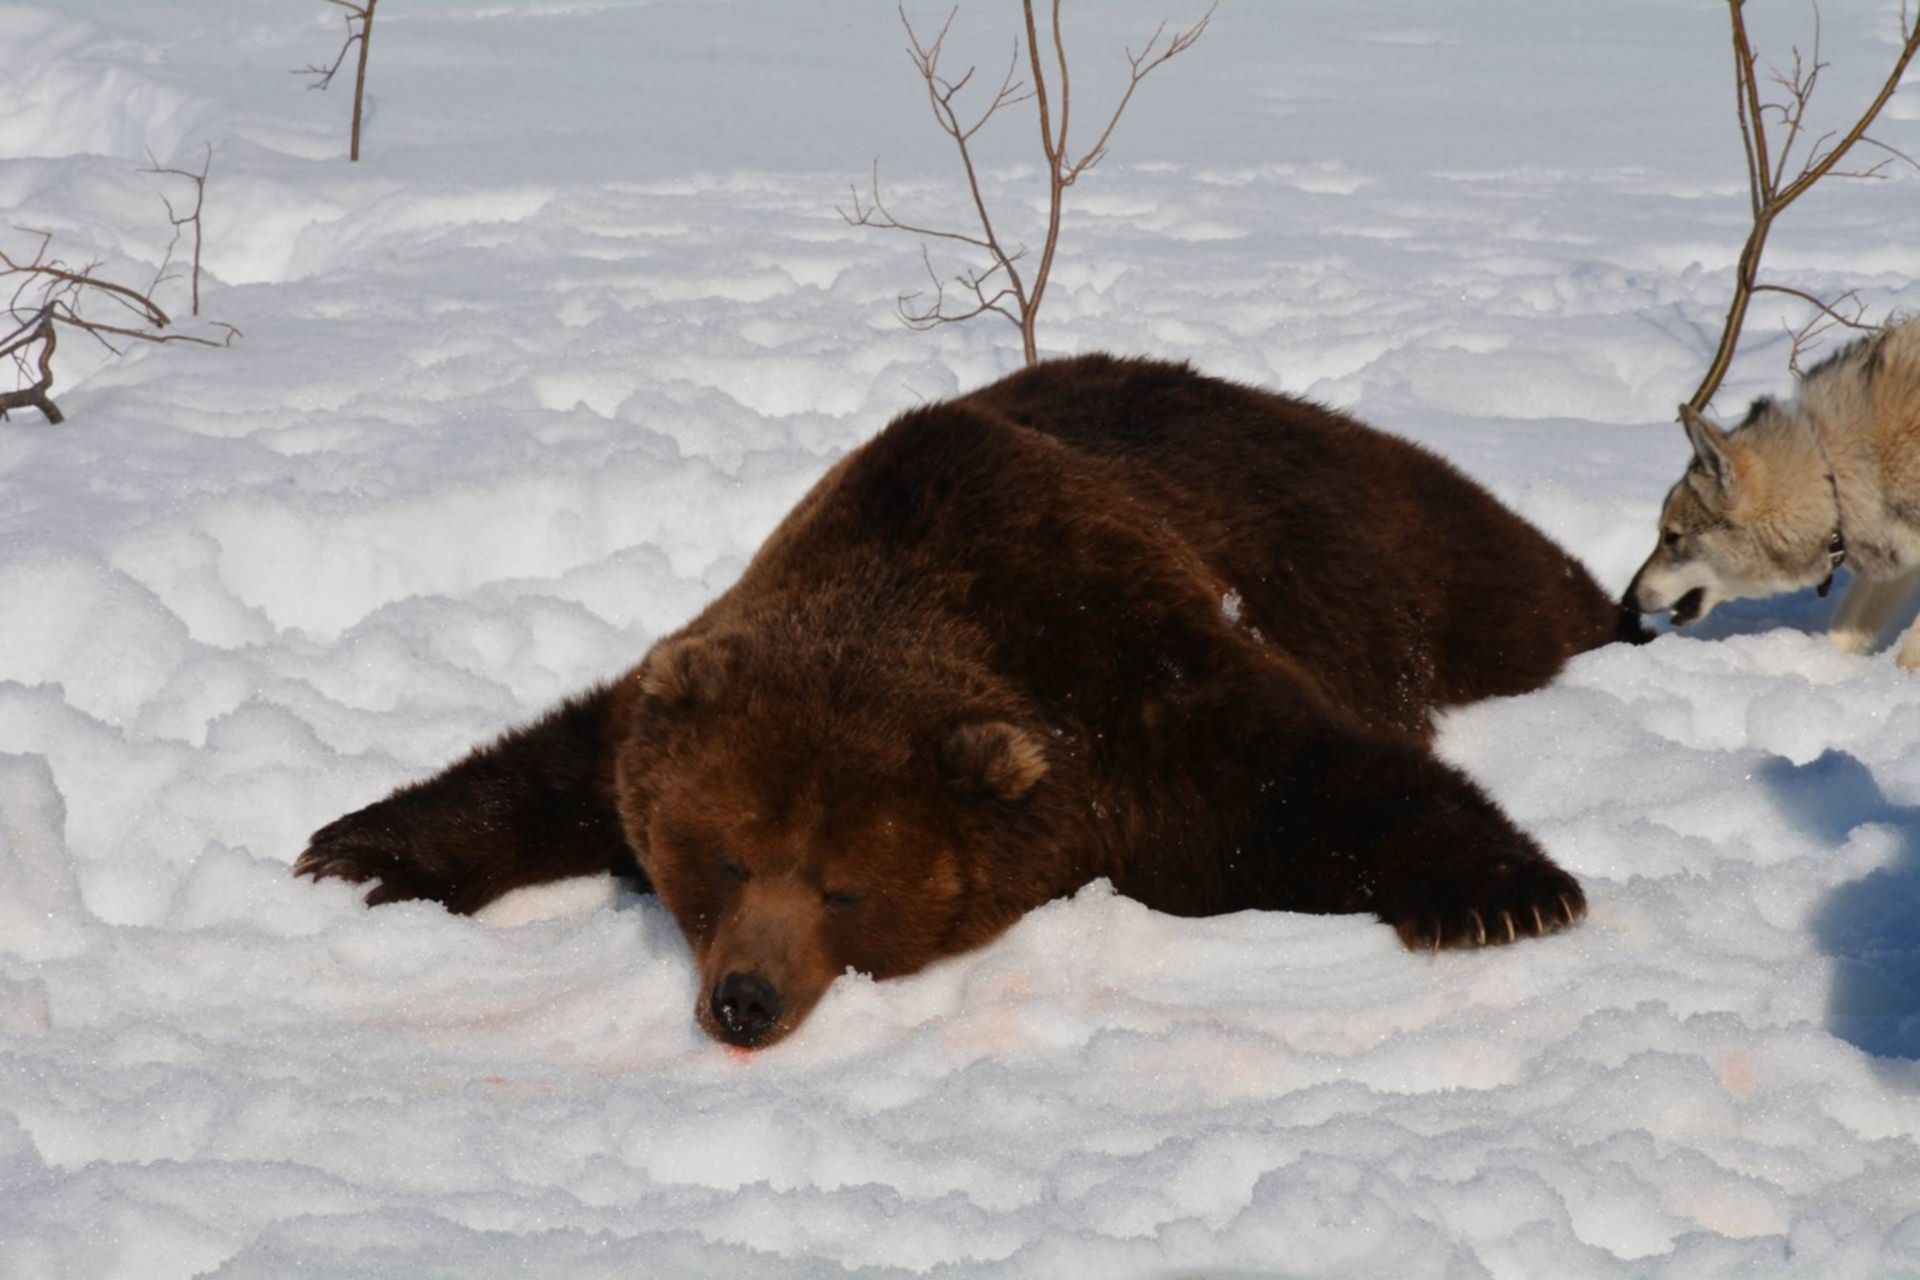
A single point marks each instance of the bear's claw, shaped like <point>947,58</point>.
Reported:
<point>355,850</point>
<point>1501,904</point>
<point>323,863</point>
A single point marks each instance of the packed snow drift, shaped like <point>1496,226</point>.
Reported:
<point>525,387</point>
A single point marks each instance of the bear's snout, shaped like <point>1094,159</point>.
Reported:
<point>745,1008</point>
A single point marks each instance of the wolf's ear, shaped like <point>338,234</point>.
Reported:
<point>992,758</point>
<point>1709,448</point>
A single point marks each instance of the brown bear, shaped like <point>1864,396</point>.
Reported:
<point>1104,617</point>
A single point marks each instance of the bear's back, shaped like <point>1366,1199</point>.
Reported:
<point>1401,583</point>
<point>1110,521</point>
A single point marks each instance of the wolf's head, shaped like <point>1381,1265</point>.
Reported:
<point>1752,516</point>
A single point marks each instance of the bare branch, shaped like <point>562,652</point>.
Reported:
<point>1830,309</point>
<point>54,271</point>
<point>49,295</point>
<point>1820,166</point>
<point>941,92</point>
<point>199,181</point>
<point>361,36</point>
<point>1770,191</point>
<point>876,214</point>
<point>1143,66</point>
<point>935,313</point>
<point>323,76</point>
<point>944,113</point>
<point>1827,316</point>
<point>1800,92</point>
<point>1894,152</point>
<point>33,395</point>
<point>999,286</point>
<point>1062,171</point>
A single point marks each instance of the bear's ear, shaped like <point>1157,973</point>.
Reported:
<point>994,758</point>
<point>687,672</point>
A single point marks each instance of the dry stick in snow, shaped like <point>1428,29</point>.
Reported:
<point>1769,187</point>
<point>999,287</point>
<point>47,295</point>
<point>38,329</point>
<point>199,181</point>
<point>323,76</point>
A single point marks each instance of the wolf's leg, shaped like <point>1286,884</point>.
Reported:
<point>1869,604</point>
<point>1909,654</point>
<point>536,805</point>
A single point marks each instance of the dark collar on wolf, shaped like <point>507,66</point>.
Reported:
<point>1836,556</point>
<point>1836,541</point>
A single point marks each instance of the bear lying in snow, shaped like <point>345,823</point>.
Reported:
<point>1102,618</point>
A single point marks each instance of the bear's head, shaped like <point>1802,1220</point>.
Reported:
<point>813,810</point>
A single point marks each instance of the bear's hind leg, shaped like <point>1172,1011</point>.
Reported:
<point>1376,823</point>
<point>537,805</point>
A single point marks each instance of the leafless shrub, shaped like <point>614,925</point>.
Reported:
<point>179,220</point>
<point>361,36</point>
<point>998,286</point>
<point>1774,182</point>
<point>47,295</point>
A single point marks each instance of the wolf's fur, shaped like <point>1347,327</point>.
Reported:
<point>1773,504</point>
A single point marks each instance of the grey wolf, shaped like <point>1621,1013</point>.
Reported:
<point>1799,488</point>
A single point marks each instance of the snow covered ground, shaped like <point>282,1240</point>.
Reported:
<point>524,388</point>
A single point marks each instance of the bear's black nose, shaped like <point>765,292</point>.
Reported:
<point>745,1007</point>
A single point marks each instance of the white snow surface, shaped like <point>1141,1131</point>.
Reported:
<point>525,387</point>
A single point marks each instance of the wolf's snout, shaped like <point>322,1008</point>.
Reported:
<point>745,1008</point>
<point>1640,600</point>
<point>1687,607</point>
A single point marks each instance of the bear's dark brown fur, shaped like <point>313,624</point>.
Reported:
<point>1102,618</point>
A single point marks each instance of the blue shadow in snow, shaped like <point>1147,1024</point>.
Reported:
<point>1870,926</point>
<point>1802,610</point>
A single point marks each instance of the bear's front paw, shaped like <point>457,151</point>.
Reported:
<point>364,846</point>
<point>1487,904</point>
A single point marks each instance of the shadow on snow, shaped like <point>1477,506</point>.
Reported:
<point>1870,926</point>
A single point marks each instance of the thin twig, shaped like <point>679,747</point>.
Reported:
<point>84,278</point>
<point>1826,317</point>
<point>199,181</point>
<point>1063,172</point>
<point>34,394</point>
<point>1143,66</point>
<point>1000,287</point>
<point>1769,190</point>
<point>48,295</point>
<point>323,76</point>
